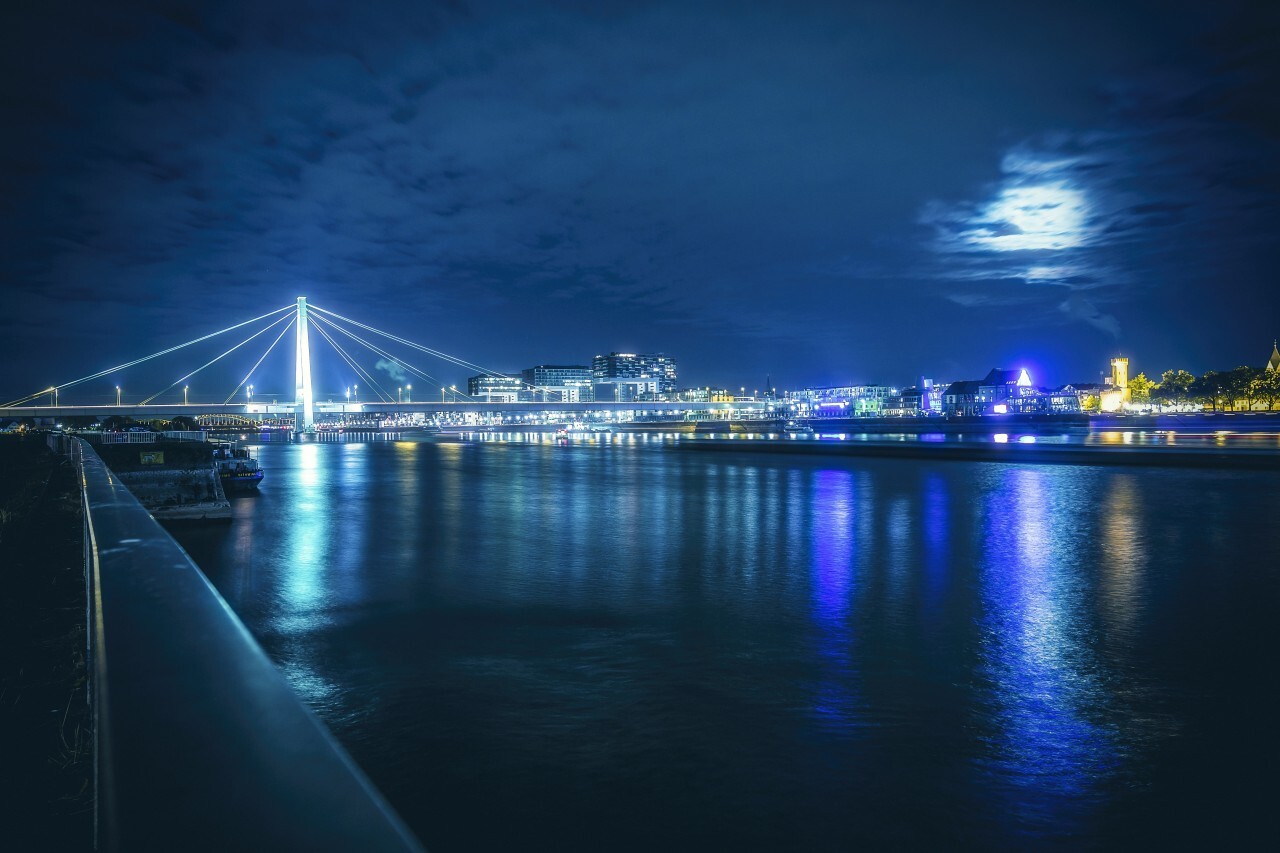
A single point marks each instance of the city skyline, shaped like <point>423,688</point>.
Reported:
<point>821,194</point>
<point>333,365</point>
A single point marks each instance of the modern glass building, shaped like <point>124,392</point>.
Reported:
<point>495,389</point>
<point>634,376</point>
<point>558,383</point>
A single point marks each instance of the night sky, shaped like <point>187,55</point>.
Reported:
<point>821,193</point>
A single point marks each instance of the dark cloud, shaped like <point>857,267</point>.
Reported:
<point>763,189</point>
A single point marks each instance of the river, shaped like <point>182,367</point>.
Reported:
<point>620,646</point>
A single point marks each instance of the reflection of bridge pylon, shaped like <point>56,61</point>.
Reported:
<point>305,402</point>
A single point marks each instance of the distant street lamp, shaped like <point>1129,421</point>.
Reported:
<point>250,394</point>
<point>357,393</point>
<point>442,390</point>
<point>53,389</point>
<point>348,394</point>
<point>408,395</point>
<point>454,389</point>
<point>185,389</point>
<point>399,391</point>
<point>117,395</point>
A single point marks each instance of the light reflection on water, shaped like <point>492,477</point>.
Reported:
<point>1044,696</point>
<point>620,642</point>
<point>832,546</point>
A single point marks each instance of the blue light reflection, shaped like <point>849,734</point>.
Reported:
<point>1045,692</point>
<point>831,573</point>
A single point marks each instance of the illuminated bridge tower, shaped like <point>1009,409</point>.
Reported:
<point>304,411</point>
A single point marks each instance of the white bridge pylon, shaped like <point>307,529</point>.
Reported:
<point>305,414</point>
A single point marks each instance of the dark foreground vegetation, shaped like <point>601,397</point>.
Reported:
<point>45,723</point>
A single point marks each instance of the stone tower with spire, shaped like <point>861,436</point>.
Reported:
<point>1273,363</point>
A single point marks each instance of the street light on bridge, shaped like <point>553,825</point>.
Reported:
<point>117,395</point>
<point>185,389</point>
<point>357,393</point>
<point>348,394</point>
<point>399,393</point>
<point>54,390</point>
<point>408,393</point>
<point>250,395</point>
<point>454,389</point>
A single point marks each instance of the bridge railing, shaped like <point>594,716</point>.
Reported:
<point>200,741</point>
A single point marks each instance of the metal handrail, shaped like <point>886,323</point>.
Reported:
<point>201,743</point>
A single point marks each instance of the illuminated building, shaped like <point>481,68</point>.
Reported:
<point>1064,400</point>
<point>553,383</point>
<point>705,395</point>
<point>1116,391</point>
<point>922,399</point>
<point>629,376</point>
<point>495,389</point>
<point>1007,392</point>
<point>1273,363</point>
<point>1000,392</point>
<point>626,390</point>
<point>843,401</point>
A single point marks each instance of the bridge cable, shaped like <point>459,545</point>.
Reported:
<point>153,355</point>
<point>260,360</point>
<point>216,358</point>
<point>428,350</point>
<point>526,386</point>
<point>360,371</point>
<point>399,362</point>
<point>365,375</point>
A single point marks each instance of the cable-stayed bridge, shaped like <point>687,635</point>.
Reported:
<point>353,343</point>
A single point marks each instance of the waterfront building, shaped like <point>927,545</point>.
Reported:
<point>626,391</point>
<point>903,405</point>
<point>843,401</point>
<point>1063,400</point>
<point>919,400</point>
<point>963,399</point>
<point>1114,399</point>
<point>555,383</point>
<point>705,395</point>
<point>495,389</point>
<point>633,376</point>
<point>1007,392</point>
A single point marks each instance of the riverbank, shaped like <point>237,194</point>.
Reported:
<point>1016,452</point>
<point>45,722</point>
<point>174,480</point>
<point>1171,421</point>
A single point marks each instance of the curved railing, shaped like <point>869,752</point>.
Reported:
<point>201,743</point>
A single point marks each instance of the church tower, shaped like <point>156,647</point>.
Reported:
<point>1273,363</point>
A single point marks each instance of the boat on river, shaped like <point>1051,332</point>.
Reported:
<point>237,469</point>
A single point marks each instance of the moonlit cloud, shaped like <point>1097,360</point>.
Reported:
<point>1041,203</point>
<point>1050,216</point>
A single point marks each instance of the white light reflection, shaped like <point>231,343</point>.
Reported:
<point>304,545</point>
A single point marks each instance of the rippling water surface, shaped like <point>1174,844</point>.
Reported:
<point>621,647</point>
